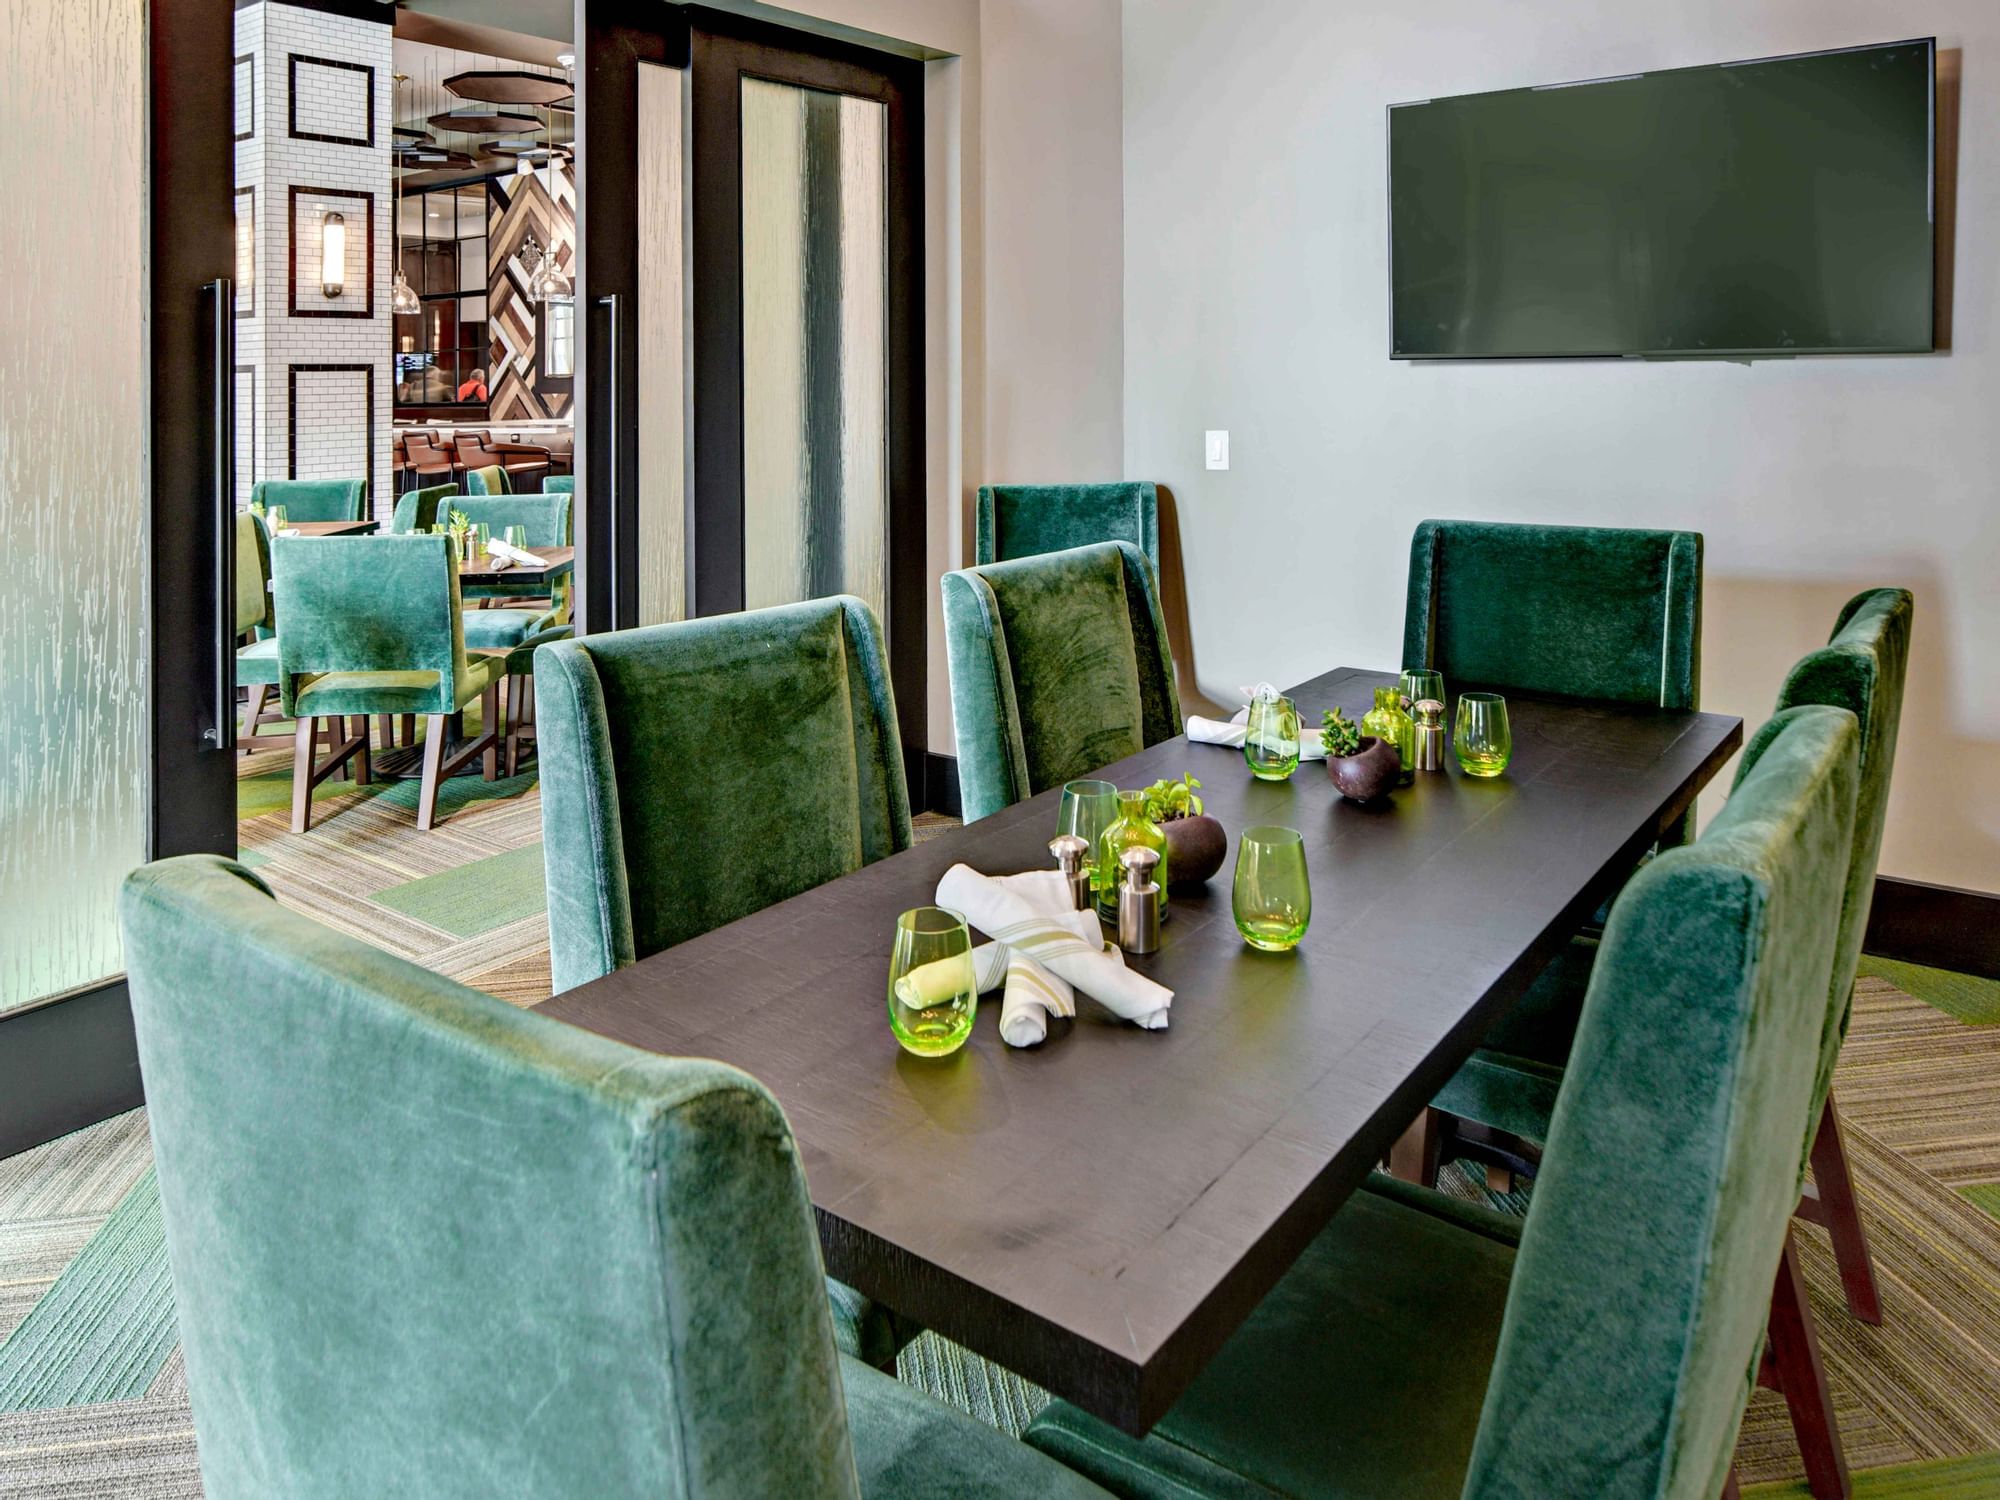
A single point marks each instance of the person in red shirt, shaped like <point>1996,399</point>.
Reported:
<point>474,388</point>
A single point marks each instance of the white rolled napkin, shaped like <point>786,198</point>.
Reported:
<point>1232,732</point>
<point>1030,915</point>
<point>501,549</point>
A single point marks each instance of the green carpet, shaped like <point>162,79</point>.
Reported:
<point>1967,997</point>
<point>1974,1478</point>
<point>1985,1194</point>
<point>105,1327</point>
<point>475,898</point>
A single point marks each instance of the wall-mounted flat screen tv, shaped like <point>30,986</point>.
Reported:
<point>1782,206</point>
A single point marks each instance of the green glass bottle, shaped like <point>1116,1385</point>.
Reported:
<point>1389,720</point>
<point>1133,827</point>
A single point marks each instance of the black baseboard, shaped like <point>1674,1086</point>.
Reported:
<point>1937,925</point>
<point>67,1063</point>
<point>940,794</point>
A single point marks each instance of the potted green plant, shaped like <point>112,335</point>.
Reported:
<point>1196,844</point>
<point>1361,766</point>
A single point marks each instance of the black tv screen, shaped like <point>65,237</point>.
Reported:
<point>1782,206</point>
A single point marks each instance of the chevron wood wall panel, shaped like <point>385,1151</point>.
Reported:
<point>518,207</point>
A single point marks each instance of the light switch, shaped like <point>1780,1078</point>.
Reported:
<point>1216,445</point>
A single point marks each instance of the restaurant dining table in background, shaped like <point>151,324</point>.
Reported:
<point>1100,1213</point>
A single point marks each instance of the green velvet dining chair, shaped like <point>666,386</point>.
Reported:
<point>1424,1346</point>
<point>372,627</point>
<point>425,1243</point>
<point>528,615</point>
<point>256,658</point>
<point>314,499</point>
<point>491,480</point>
<point>417,510</point>
<point>1511,1082</point>
<point>1025,520</point>
<point>696,772</point>
<point>1059,666</point>
<point>559,484</point>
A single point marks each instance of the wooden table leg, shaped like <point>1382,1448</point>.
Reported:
<point>1415,1156</point>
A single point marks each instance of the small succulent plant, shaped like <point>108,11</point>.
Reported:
<point>1339,734</point>
<point>460,521</point>
<point>1168,800</point>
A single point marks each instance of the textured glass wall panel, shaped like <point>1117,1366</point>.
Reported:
<point>661,312</point>
<point>73,738</point>
<point>814,344</point>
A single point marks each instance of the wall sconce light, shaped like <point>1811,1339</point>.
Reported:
<point>333,254</point>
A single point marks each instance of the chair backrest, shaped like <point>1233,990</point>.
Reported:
<point>491,480</point>
<point>314,499</point>
<point>1862,670</point>
<point>253,572</point>
<point>417,510</point>
<point>368,604</point>
<point>1059,666</point>
<point>559,484</point>
<point>1582,611</point>
<point>1634,1319</point>
<point>545,517</point>
<point>1023,520</point>
<point>424,1243</point>
<point>471,447</point>
<point>696,772</point>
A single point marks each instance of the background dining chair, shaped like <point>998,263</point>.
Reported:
<point>425,1243</point>
<point>559,484</point>
<point>1511,1082</point>
<point>1059,666</point>
<point>491,480</point>
<point>256,659</point>
<point>372,627</point>
<point>417,510</point>
<point>314,499</point>
<point>532,613</point>
<point>523,465</point>
<point>694,773</point>
<point>1024,520</point>
<point>1413,1350</point>
<point>427,461</point>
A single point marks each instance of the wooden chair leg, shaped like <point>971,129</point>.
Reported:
<point>1415,1156</point>
<point>1730,1491</point>
<point>491,729</point>
<point>385,728</point>
<point>427,791</point>
<point>302,774</point>
<point>253,710</point>
<point>409,729</point>
<point>1499,1179</point>
<point>1792,1367</point>
<point>518,699</point>
<point>1830,1202</point>
<point>362,772</point>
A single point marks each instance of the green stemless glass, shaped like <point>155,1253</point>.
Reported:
<point>1273,898</point>
<point>1271,738</point>
<point>277,519</point>
<point>1088,808</point>
<point>933,995</point>
<point>517,536</point>
<point>1420,683</point>
<point>484,531</point>
<point>1482,737</point>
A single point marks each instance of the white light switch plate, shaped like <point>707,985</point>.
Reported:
<point>1215,444</point>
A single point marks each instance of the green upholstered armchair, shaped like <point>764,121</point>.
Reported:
<point>314,499</point>
<point>1422,1346</point>
<point>491,480</point>
<point>559,484</point>
<point>1059,666</point>
<point>1023,520</point>
<point>424,1243</point>
<point>372,627</point>
<point>1511,1082</point>
<point>417,510</point>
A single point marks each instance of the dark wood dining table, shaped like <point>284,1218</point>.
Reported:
<point>1101,1212</point>
<point>556,561</point>
<point>333,528</point>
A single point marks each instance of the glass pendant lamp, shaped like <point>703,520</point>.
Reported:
<point>402,297</point>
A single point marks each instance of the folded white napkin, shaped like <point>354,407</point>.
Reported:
<point>1231,732</point>
<point>500,549</point>
<point>1030,915</point>
<point>1032,994</point>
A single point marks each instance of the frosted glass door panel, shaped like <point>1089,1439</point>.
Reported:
<point>662,401</point>
<point>815,382</point>
<point>73,520</point>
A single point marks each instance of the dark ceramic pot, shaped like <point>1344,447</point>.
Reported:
<point>1196,848</point>
<point>1366,774</point>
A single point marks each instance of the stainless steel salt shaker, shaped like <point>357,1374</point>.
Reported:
<point>1429,753</point>
<point>1070,850</point>
<point>1139,899</point>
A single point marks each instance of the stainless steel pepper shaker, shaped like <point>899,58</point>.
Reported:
<point>1139,901</point>
<point>1070,850</point>
<point>1429,748</point>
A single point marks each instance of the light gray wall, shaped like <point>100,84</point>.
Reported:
<point>1255,300</point>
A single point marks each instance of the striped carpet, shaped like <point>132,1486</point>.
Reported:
<point>93,1400</point>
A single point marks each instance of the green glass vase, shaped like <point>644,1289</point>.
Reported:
<point>1391,723</point>
<point>1132,829</point>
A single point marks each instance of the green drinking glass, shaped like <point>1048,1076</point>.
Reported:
<point>517,536</point>
<point>277,519</point>
<point>1271,738</point>
<point>1088,808</point>
<point>1273,898</point>
<point>933,995</point>
<point>1420,683</point>
<point>1481,735</point>
<point>484,532</point>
